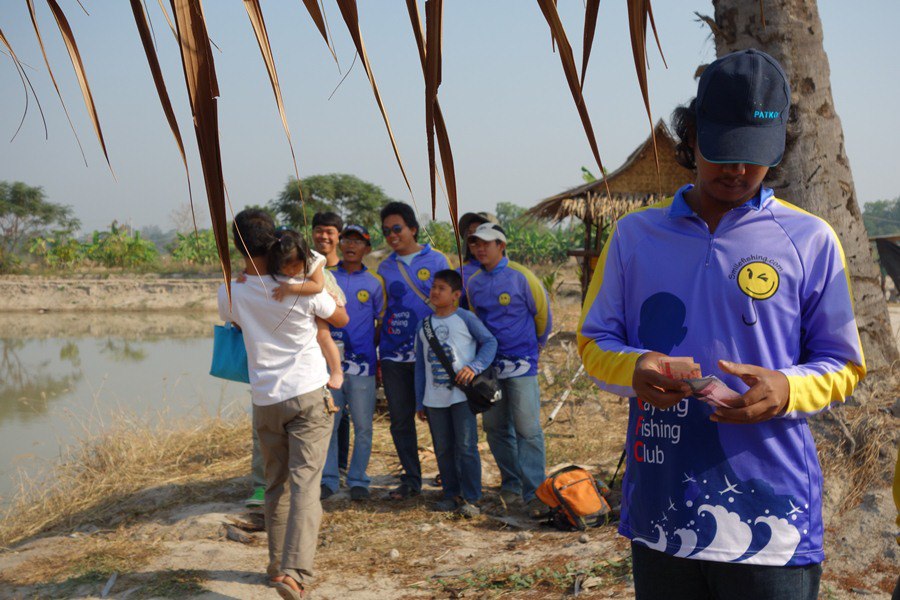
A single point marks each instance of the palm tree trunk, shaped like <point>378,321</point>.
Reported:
<point>815,173</point>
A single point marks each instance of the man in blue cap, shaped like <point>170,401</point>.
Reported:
<point>365,307</point>
<point>722,495</point>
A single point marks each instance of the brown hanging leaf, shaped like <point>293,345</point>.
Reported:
<point>548,7</point>
<point>26,81</point>
<point>350,15</point>
<point>203,90</point>
<point>145,32</point>
<point>37,32</point>
<point>78,65</point>
<point>591,10</point>
<point>435,124</point>
<point>318,17</point>
<point>638,13</point>
<point>254,11</point>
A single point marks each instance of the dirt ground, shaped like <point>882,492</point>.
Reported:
<point>207,548</point>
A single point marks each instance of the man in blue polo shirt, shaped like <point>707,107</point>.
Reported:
<point>365,306</point>
<point>723,498</point>
<point>408,273</point>
<point>516,309</point>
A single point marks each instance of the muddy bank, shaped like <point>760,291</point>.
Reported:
<point>20,293</point>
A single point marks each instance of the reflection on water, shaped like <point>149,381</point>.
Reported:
<point>64,375</point>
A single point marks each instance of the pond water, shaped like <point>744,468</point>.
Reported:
<point>64,376</point>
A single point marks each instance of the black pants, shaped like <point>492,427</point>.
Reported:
<point>665,577</point>
<point>400,388</point>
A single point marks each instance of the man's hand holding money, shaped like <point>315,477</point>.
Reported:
<point>651,385</point>
<point>767,397</point>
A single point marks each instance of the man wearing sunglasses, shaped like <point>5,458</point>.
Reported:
<point>408,274</point>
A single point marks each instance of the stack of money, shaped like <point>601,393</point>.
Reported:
<point>710,389</point>
<point>679,367</point>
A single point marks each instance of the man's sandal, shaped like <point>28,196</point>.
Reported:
<point>402,492</point>
<point>286,591</point>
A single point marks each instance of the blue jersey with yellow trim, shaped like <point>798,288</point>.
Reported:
<point>466,270</point>
<point>405,307</point>
<point>769,287</point>
<point>516,309</point>
<point>365,305</point>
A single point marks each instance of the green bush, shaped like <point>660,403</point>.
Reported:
<point>120,247</point>
<point>61,250</point>
<point>196,248</point>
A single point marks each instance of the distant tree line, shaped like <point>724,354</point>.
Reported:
<point>32,228</point>
<point>882,217</point>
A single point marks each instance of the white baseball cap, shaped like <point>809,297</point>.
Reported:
<point>489,232</point>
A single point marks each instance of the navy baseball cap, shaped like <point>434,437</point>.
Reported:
<point>743,101</point>
<point>358,230</point>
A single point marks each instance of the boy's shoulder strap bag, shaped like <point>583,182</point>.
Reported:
<point>482,392</point>
<point>437,348</point>
<point>402,268</point>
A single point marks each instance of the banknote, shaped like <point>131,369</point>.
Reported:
<point>679,367</point>
<point>712,390</point>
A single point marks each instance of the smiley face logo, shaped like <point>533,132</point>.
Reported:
<point>504,299</point>
<point>758,280</point>
<point>362,295</point>
<point>423,274</point>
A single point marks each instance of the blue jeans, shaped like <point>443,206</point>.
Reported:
<point>400,388</point>
<point>454,431</point>
<point>660,576</point>
<point>513,428</point>
<point>357,394</point>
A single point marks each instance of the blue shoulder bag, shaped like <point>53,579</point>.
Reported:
<point>229,359</point>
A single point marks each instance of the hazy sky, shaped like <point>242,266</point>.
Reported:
<point>515,132</point>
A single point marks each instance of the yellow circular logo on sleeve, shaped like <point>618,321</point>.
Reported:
<point>362,295</point>
<point>423,274</point>
<point>758,280</point>
<point>504,299</point>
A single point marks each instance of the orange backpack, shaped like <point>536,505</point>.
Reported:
<point>575,499</point>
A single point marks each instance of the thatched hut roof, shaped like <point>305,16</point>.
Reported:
<point>632,185</point>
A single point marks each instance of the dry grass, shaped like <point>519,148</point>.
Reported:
<point>135,470</point>
<point>857,442</point>
<point>101,478</point>
<point>85,559</point>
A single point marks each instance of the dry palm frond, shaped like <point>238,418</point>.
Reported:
<point>318,17</point>
<point>434,117</point>
<point>78,65</point>
<point>203,90</point>
<point>26,81</point>
<point>591,9</point>
<point>548,7</point>
<point>638,13</point>
<point>254,11</point>
<point>143,26</point>
<point>37,33</point>
<point>350,13</point>
<point>168,19</point>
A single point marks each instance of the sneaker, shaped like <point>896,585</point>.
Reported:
<point>358,492</point>
<point>536,509</point>
<point>325,493</point>
<point>468,510</point>
<point>257,499</point>
<point>446,505</point>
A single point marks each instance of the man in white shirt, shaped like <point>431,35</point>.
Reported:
<point>287,383</point>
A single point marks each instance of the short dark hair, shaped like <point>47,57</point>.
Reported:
<point>451,278</point>
<point>328,219</point>
<point>253,230</point>
<point>405,212</point>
